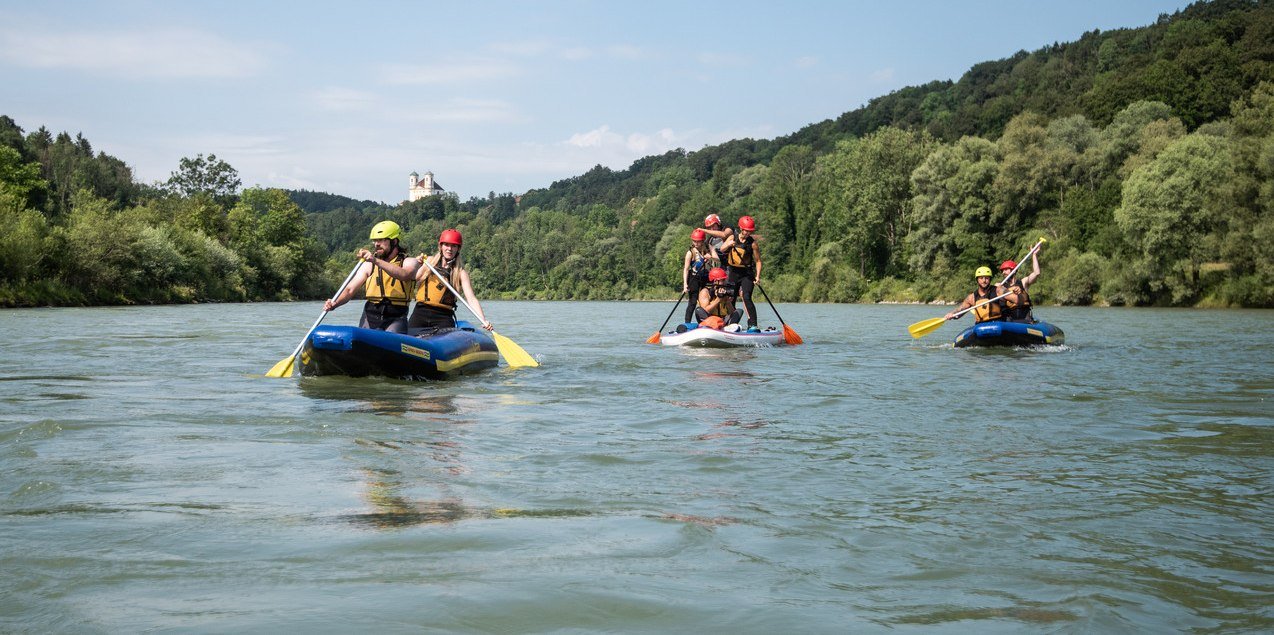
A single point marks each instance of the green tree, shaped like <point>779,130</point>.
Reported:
<point>200,175</point>
<point>1170,208</point>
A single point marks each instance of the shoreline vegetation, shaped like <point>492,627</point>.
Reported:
<point>1145,156</point>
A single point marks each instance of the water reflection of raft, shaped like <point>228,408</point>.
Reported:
<point>356,352</point>
<point>1010,334</point>
<point>713,338</point>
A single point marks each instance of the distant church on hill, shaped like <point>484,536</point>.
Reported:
<point>418,187</point>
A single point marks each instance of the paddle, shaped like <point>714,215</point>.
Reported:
<point>789,335</point>
<point>925,327</point>
<point>513,354</point>
<point>654,339</point>
<point>284,367</point>
<point>1023,260</point>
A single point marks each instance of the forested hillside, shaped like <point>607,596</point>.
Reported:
<point>1145,156</point>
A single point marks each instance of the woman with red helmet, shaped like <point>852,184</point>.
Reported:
<point>717,299</point>
<point>435,304</point>
<point>742,258</point>
<point>694,270</point>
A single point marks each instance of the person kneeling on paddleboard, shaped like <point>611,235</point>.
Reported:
<point>716,301</point>
<point>386,282</point>
<point>987,307</point>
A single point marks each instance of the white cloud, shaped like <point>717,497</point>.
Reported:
<point>809,61</point>
<point>162,53</point>
<point>575,53</point>
<point>883,75</point>
<point>466,111</point>
<point>626,51</point>
<point>337,99</point>
<point>446,72</point>
<point>595,138</point>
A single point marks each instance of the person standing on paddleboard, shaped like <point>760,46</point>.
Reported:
<point>742,258</point>
<point>715,232</point>
<point>694,271</point>
<point>386,287</point>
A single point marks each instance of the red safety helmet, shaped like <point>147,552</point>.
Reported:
<point>747,223</point>
<point>698,235</point>
<point>711,219</point>
<point>717,274</point>
<point>451,236</point>
<point>1008,264</point>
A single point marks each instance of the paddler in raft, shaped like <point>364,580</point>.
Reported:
<point>435,304</point>
<point>386,288</point>
<point>716,302</point>
<point>1018,304</point>
<point>989,307</point>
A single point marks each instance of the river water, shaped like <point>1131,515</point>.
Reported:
<point>152,479</point>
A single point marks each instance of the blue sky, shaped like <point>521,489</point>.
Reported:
<point>490,96</point>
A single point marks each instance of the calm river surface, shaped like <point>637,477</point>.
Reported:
<point>152,479</point>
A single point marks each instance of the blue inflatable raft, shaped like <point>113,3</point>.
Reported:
<point>355,352</point>
<point>1010,334</point>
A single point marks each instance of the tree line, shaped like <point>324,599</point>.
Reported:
<point>1145,156</point>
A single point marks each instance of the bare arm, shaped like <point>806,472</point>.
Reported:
<point>355,283</point>
<point>406,272</point>
<point>708,300</point>
<point>756,257</point>
<point>724,232</point>
<point>968,302</point>
<point>467,288</point>
<point>1035,270</point>
<point>685,273</point>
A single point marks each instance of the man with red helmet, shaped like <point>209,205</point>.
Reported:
<point>385,276</point>
<point>694,270</point>
<point>435,304</point>
<point>742,258</point>
<point>1018,304</point>
<point>717,299</point>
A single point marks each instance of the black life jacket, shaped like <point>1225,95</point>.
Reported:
<point>740,255</point>
<point>1019,308</point>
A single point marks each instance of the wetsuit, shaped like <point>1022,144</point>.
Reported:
<point>696,279</point>
<point>740,265</point>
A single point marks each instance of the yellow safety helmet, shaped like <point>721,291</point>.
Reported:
<point>982,271</point>
<point>386,229</point>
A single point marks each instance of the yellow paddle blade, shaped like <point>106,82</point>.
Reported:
<point>513,354</point>
<point>283,368</point>
<point>925,327</point>
<point>653,339</point>
<point>791,337</point>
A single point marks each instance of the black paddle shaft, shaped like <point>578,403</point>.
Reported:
<point>767,301</point>
<point>674,310</point>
